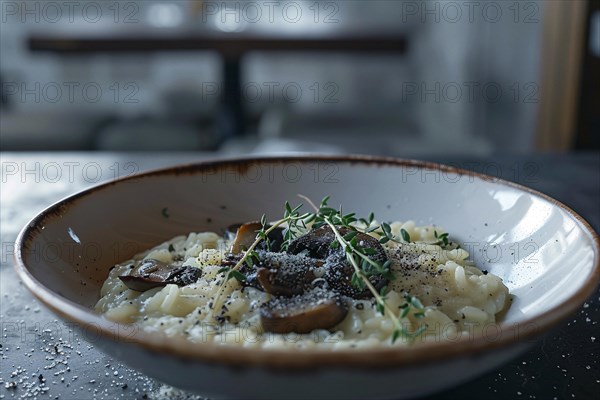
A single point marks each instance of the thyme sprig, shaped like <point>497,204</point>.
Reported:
<point>296,224</point>
<point>442,239</point>
<point>364,267</point>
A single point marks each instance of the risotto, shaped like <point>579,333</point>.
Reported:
<point>420,286</point>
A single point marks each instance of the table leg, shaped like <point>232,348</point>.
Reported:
<point>230,119</point>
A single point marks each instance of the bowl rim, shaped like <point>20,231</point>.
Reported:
<point>384,357</point>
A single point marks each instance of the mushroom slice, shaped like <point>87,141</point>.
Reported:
<point>246,235</point>
<point>284,274</point>
<point>339,271</point>
<point>317,243</point>
<point>315,309</point>
<point>153,273</point>
<point>279,274</point>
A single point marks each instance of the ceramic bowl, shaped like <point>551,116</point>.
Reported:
<point>546,254</point>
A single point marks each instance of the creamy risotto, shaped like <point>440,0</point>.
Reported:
<point>306,296</point>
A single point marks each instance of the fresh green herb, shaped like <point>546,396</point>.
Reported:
<point>230,273</point>
<point>405,235</point>
<point>442,240</point>
<point>368,223</point>
<point>237,275</point>
<point>395,335</point>
<point>405,310</point>
<point>413,301</point>
<point>171,248</point>
<point>223,270</point>
<point>296,224</point>
<point>380,306</point>
<point>261,233</point>
<point>252,258</point>
<point>386,234</point>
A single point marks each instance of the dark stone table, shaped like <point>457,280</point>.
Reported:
<point>42,357</point>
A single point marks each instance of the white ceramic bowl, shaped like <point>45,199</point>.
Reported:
<point>546,254</point>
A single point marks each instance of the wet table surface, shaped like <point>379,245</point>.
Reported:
<point>42,357</point>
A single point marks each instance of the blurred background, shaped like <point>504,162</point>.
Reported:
<point>387,77</point>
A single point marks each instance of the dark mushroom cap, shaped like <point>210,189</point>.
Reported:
<point>283,274</point>
<point>317,243</point>
<point>279,274</point>
<point>317,308</point>
<point>338,274</point>
<point>153,273</point>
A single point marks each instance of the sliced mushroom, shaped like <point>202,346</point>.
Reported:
<point>315,309</point>
<point>317,243</point>
<point>284,274</point>
<point>153,273</point>
<point>280,274</point>
<point>246,235</point>
<point>338,274</point>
